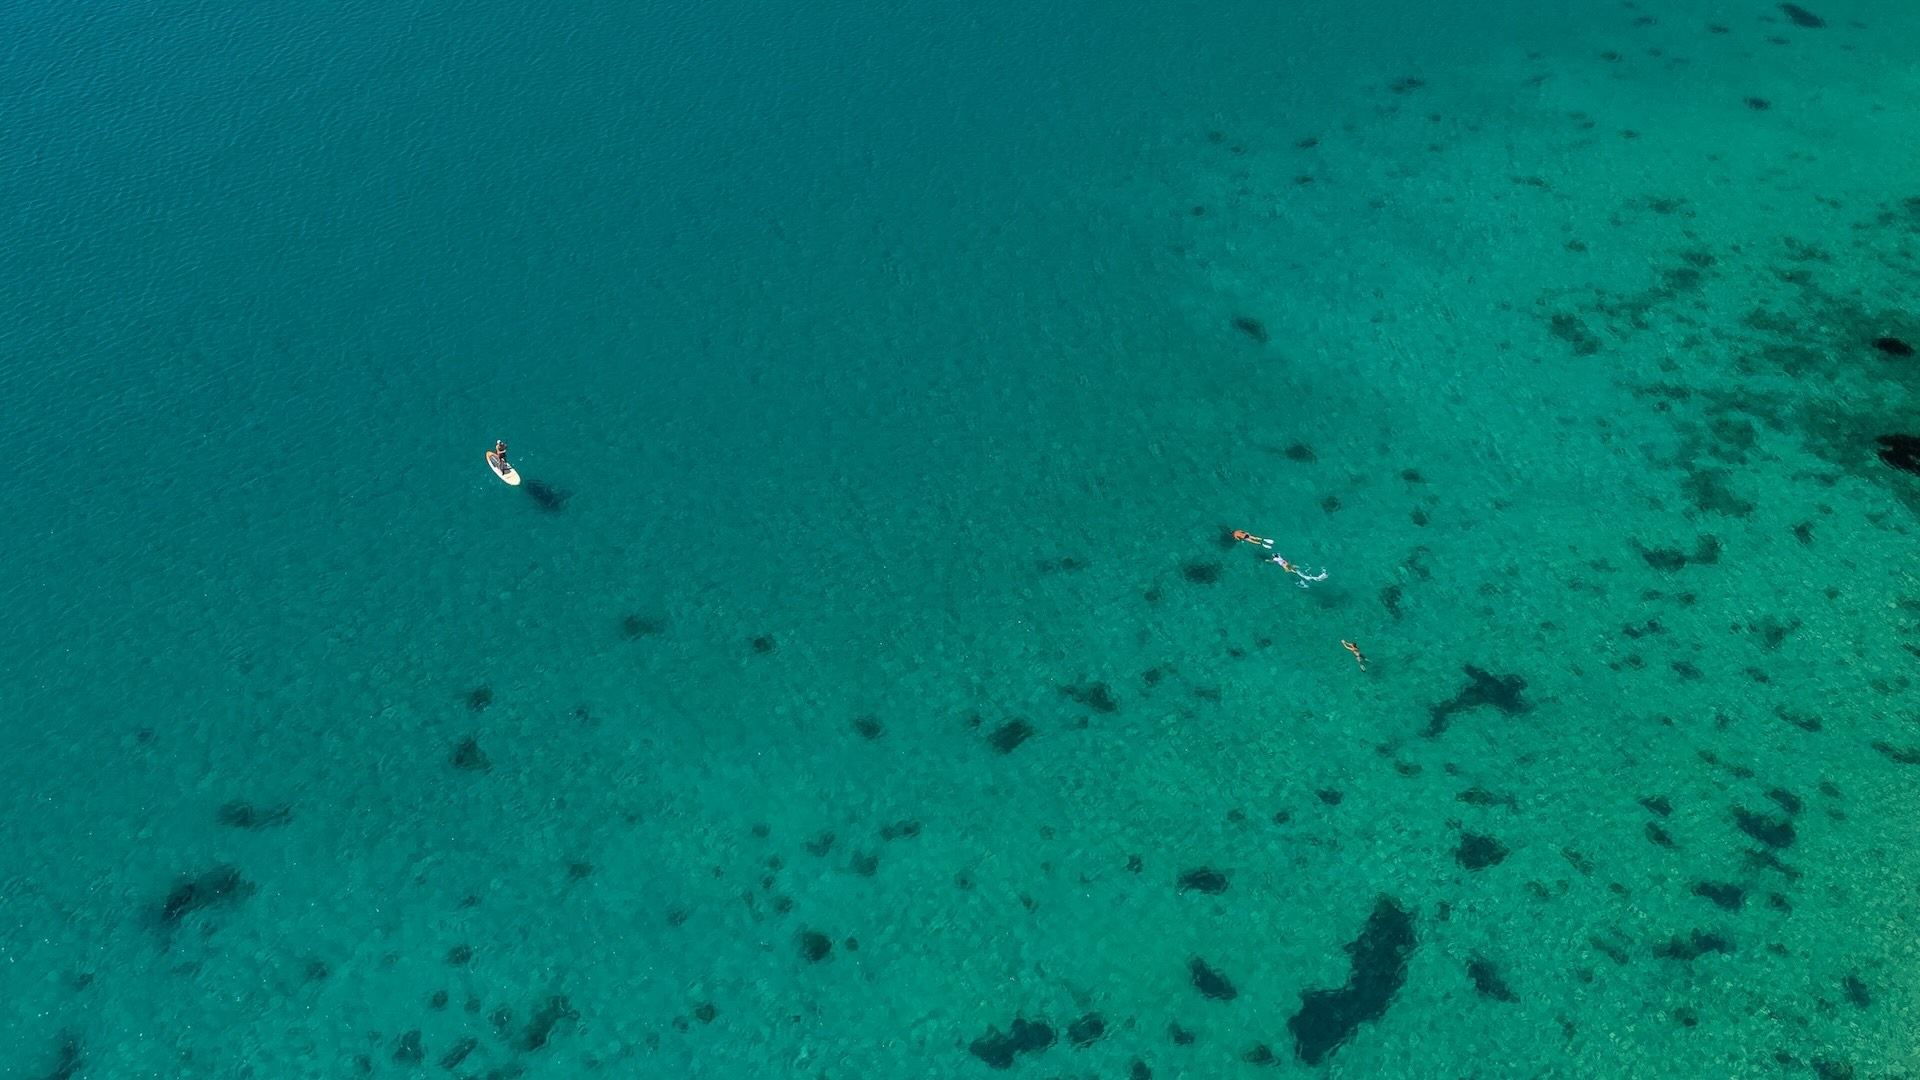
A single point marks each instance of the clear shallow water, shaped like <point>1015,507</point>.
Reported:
<point>904,340</point>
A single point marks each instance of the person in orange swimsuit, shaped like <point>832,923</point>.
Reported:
<point>1246,537</point>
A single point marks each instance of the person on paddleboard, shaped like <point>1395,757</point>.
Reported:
<point>500,454</point>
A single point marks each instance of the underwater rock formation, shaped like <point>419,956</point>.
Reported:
<point>1201,573</point>
<point>815,946</point>
<point>1801,17</point>
<point>468,757</point>
<point>1204,879</point>
<point>545,1019</point>
<point>1212,985</point>
<point>1901,452</point>
<point>1024,1037</point>
<point>240,814</point>
<point>221,886</point>
<point>1697,943</point>
<point>1478,851</point>
<point>1487,981</point>
<point>1097,696</point>
<point>1328,1018</point>
<point>1087,1030</point>
<point>1771,832</point>
<point>1008,736</point>
<point>547,497</point>
<point>1484,688</point>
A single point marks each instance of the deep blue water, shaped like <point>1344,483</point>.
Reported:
<point>862,668</point>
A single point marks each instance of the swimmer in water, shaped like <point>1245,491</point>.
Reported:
<point>1305,578</point>
<point>1355,650</point>
<point>1246,537</point>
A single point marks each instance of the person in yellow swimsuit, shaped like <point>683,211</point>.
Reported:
<point>1357,654</point>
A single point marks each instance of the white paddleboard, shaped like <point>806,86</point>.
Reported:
<point>509,474</point>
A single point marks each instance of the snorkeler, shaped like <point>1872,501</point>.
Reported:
<point>1305,578</point>
<point>1246,537</point>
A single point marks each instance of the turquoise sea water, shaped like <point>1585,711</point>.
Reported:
<point>864,684</point>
